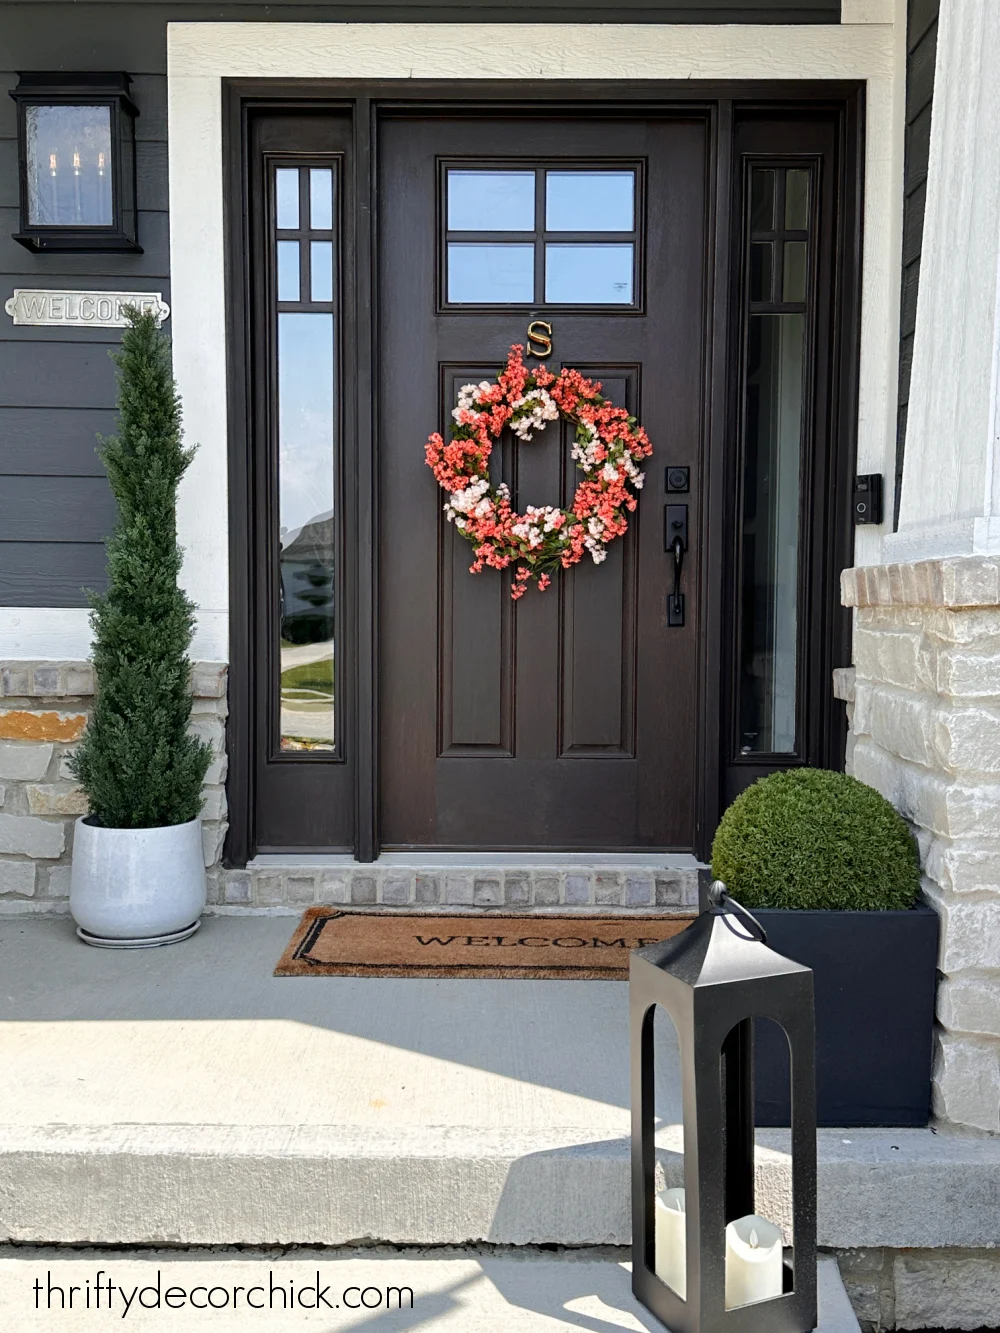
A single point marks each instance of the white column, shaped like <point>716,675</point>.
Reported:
<point>950,502</point>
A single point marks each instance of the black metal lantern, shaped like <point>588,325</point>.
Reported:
<point>76,147</point>
<point>728,1271</point>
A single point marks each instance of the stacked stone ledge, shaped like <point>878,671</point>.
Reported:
<point>44,709</point>
<point>924,707</point>
<point>447,888</point>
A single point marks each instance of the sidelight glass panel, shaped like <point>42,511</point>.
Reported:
<point>321,270</point>
<point>306,419</point>
<point>770,533</point>
<point>491,201</point>
<point>486,274</point>
<point>69,165</point>
<point>286,190</point>
<point>288,270</point>
<point>321,199</point>
<point>762,271</point>
<point>796,199</point>
<point>590,200</point>
<point>588,274</point>
<point>762,199</point>
<point>793,281</point>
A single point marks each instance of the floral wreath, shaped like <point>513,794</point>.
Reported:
<point>607,448</point>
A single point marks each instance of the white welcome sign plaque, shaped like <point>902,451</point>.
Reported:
<point>53,308</point>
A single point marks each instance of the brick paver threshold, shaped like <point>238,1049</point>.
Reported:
<point>332,943</point>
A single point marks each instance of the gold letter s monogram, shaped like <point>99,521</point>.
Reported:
<point>540,333</point>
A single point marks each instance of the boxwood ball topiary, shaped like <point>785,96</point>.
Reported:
<point>807,838</point>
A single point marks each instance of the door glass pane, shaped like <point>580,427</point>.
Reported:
<point>288,270</point>
<point>491,274</point>
<point>491,201</point>
<point>590,200</point>
<point>588,274</point>
<point>793,281</point>
<point>796,200</point>
<point>286,189</point>
<point>69,165</point>
<point>321,199</point>
<point>770,533</point>
<point>305,503</point>
<point>762,199</point>
<point>321,270</point>
<point>761,274</point>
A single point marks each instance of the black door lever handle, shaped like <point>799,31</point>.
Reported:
<point>675,601</point>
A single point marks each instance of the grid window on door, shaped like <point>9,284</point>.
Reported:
<point>541,236</point>
<point>306,333</point>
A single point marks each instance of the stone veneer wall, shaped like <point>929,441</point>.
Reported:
<point>926,733</point>
<point>44,708</point>
<point>914,1289</point>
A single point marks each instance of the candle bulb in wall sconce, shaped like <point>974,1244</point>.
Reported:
<point>76,164</point>
<point>754,1261</point>
<point>100,164</point>
<point>53,164</point>
<point>670,1230</point>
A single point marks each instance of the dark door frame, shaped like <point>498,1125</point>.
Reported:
<point>721,103</point>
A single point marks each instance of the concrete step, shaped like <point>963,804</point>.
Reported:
<point>186,1096</point>
<point>452,1291</point>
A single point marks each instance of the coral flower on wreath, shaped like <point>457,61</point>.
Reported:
<point>608,447</point>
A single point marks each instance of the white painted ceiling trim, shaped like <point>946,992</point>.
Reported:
<point>201,55</point>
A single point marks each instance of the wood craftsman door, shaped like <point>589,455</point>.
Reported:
<point>699,259</point>
<point>569,719</point>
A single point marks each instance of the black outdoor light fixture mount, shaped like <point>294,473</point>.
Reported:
<point>714,979</point>
<point>76,162</point>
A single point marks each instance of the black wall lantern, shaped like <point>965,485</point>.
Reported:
<point>76,150</point>
<point>721,1269</point>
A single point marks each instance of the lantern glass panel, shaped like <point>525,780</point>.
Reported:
<point>670,1215</point>
<point>755,1252</point>
<point>69,165</point>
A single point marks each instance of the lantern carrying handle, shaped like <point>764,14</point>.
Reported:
<point>721,903</point>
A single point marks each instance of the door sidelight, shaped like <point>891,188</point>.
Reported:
<point>675,540</point>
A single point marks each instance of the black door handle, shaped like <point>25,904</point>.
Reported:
<point>675,602</point>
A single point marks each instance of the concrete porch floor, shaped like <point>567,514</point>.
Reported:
<point>453,1291</point>
<point>185,1096</point>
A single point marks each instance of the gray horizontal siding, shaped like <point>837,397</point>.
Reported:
<point>65,374</point>
<point>53,441</point>
<point>50,573</point>
<point>154,237</point>
<point>56,509</point>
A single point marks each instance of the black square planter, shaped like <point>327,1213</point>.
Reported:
<point>875,979</point>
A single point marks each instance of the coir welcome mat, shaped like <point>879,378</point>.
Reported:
<point>332,943</point>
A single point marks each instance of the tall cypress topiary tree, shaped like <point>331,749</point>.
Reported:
<point>136,762</point>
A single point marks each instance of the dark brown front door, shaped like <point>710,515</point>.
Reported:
<point>388,244</point>
<point>567,720</point>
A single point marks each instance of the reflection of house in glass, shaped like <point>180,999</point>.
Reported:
<point>306,572</point>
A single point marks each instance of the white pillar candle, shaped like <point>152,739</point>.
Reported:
<point>754,1264</point>
<point>670,1220</point>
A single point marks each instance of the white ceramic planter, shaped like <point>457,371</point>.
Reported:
<point>132,888</point>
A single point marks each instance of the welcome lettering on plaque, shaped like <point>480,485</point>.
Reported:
<point>90,310</point>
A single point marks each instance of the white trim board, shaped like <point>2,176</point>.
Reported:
<point>201,55</point>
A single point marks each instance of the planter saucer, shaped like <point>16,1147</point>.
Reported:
<point>150,942</point>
